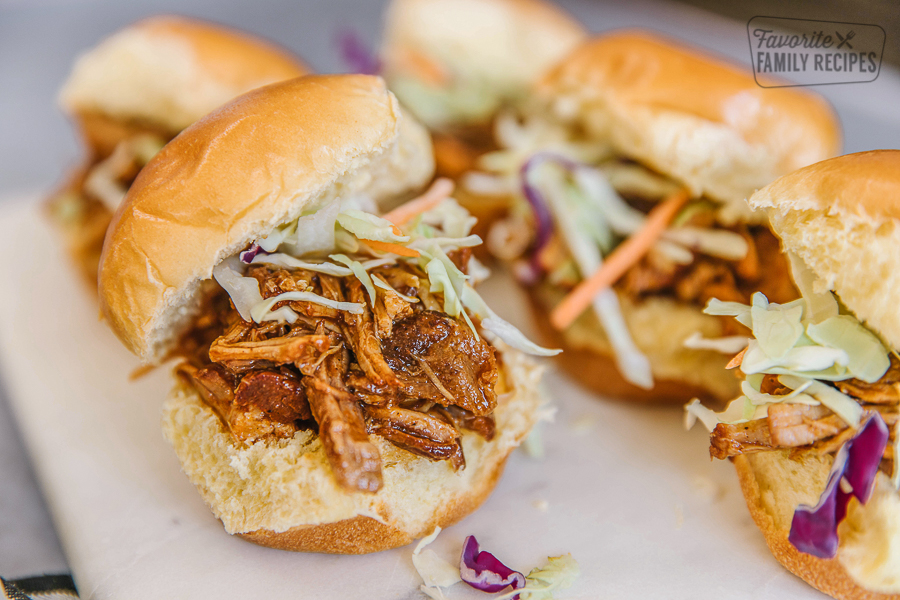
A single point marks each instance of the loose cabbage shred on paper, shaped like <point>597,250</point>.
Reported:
<point>559,573</point>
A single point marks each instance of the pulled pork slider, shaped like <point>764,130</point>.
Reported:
<point>342,387</point>
<point>628,175</point>
<point>456,63</point>
<point>814,435</point>
<point>133,93</point>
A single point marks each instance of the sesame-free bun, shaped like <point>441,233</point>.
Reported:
<point>658,326</point>
<point>283,494</point>
<point>867,566</point>
<point>842,217</point>
<point>495,49</point>
<point>235,175</point>
<point>168,71</point>
<point>689,115</point>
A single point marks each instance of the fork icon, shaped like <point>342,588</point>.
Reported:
<point>845,40</point>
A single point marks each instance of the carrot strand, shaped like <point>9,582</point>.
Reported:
<point>737,360</point>
<point>393,248</point>
<point>437,193</point>
<point>619,261</point>
<point>424,68</point>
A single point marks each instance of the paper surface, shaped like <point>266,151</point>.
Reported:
<point>625,489</point>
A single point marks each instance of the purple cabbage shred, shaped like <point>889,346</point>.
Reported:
<point>484,572</point>
<point>814,528</point>
<point>543,218</point>
<point>250,253</point>
<point>356,55</point>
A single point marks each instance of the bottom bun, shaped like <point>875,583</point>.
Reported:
<point>867,566</point>
<point>283,494</point>
<point>659,327</point>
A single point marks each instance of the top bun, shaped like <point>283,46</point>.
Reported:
<point>842,217</point>
<point>493,49</point>
<point>229,179</point>
<point>689,115</point>
<point>169,71</point>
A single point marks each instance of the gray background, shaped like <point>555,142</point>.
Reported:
<point>39,39</point>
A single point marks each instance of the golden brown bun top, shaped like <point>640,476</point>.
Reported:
<point>651,83</point>
<point>642,69</point>
<point>170,71</point>
<point>863,185</point>
<point>842,217</point>
<point>236,174</point>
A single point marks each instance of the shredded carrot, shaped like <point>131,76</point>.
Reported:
<point>140,372</point>
<point>424,68</point>
<point>619,261</point>
<point>737,360</point>
<point>395,248</point>
<point>437,193</point>
<point>452,156</point>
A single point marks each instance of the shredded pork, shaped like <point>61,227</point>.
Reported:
<point>708,277</point>
<point>404,371</point>
<point>803,427</point>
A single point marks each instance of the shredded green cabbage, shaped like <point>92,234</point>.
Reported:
<point>440,282</point>
<point>340,225</point>
<point>803,352</point>
<point>839,403</point>
<point>345,242</point>
<point>714,242</point>
<point>757,398</point>
<point>739,410</point>
<point>454,220</point>
<point>243,291</point>
<point>632,363</point>
<point>278,236</point>
<point>146,146</point>
<point>381,283</point>
<point>286,260</point>
<point>868,359</point>
<point>751,406</point>
<point>777,328</point>
<point>820,305</point>
<point>366,226</point>
<point>726,345</point>
<point>447,243</point>
<point>261,312</point>
<point>434,570</point>
<point>559,573</point>
<point>493,323</point>
<point>360,271</point>
<point>469,101</point>
<point>787,341</point>
<point>741,312</point>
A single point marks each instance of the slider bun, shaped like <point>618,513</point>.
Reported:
<point>169,71</point>
<point>659,327</point>
<point>500,47</point>
<point>842,217</point>
<point>235,175</point>
<point>867,566</point>
<point>284,495</point>
<point>689,115</point>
